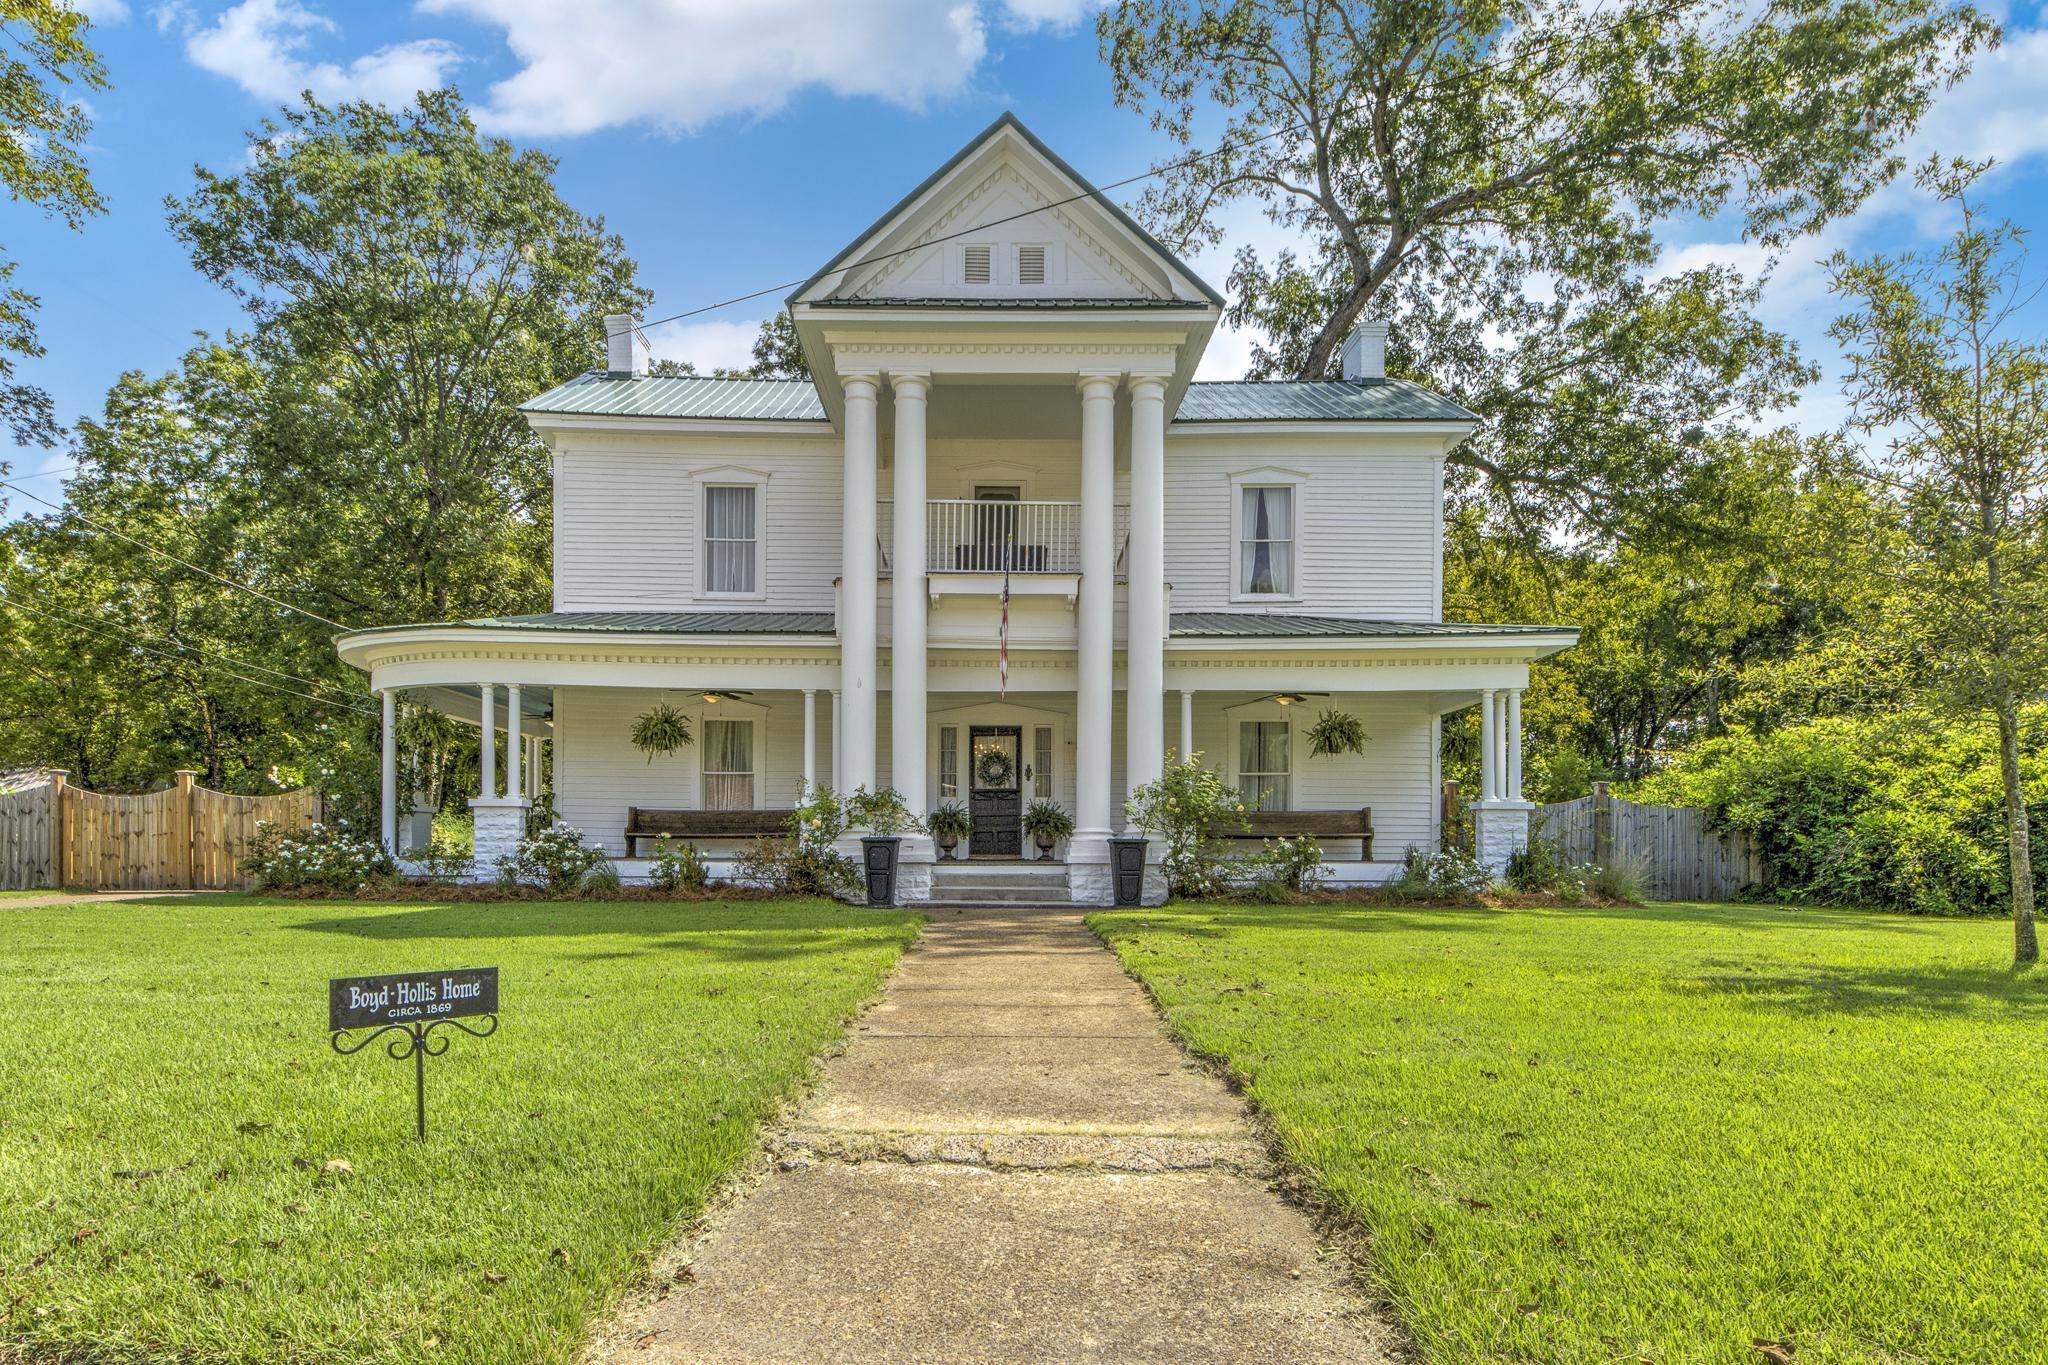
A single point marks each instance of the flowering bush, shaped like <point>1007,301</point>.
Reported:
<point>679,867</point>
<point>555,857</point>
<point>324,858</point>
<point>1187,809</point>
<point>804,862</point>
<point>1280,869</point>
<point>442,860</point>
<point>1453,875</point>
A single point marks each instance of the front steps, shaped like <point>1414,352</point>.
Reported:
<point>1000,883</point>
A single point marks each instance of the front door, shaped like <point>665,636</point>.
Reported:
<point>995,792</point>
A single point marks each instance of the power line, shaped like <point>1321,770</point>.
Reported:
<point>20,605</point>
<point>186,563</point>
<point>15,596</point>
<point>1101,191</point>
<point>48,473</point>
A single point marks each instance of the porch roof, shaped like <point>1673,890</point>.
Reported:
<point>671,622</point>
<point>1254,625</point>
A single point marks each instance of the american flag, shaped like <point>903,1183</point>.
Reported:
<point>1003,632</point>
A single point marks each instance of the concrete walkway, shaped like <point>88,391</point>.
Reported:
<point>1009,1162</point>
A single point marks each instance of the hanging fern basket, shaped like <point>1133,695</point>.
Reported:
<point>1336,732</point>
<point>661,730</point>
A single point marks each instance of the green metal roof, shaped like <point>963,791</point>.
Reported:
<point>748,400</point>
<point>1010,120</point>
<point>1198,625</point>
<point>796,400</point>
<point>660,622</point>
<point>1317,400</point>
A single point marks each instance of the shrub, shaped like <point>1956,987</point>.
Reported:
<point>679,867</point>
<point>443,860</point>
<point>598,882</point>
<point>555,858</point>
<point>1901,810</point>
<point>804,862</point>
<point>1625,879</point>
<point>322,858</point>
<point>1186,809</point>
<point>1281,870</point>
<point>1453,875</point>
<point>1542,867</point>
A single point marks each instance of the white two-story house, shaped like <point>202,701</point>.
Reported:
<point>816,571</point>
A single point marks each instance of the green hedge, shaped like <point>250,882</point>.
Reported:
<point>1901,811</point>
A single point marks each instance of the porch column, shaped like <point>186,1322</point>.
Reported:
<point>838,733</point>
<point>908,600</point>
<point>1095,625</point>
<point>810,740</point>
<point>388,774</point>
<point>515,750</point>
<point>857,588</point>
<point>1489,747</point>
<point>1187,723</point>
<point>1145,645</point>
<point>1514,745</point>
<point>487,757</point>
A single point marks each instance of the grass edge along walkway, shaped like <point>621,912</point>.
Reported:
<point>166,1177</point>
<point>1665,1133</point>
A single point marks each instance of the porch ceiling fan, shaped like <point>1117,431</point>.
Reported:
<point>715,696</point>
<point>1290,698</point>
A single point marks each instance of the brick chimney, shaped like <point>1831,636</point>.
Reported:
<point>1364,353</point>
<point>625,348</point>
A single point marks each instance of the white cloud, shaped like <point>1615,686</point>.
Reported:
<point>102,11</point>
<point>261,46</point>
<point>1057,14</point>
<point>707,345</point>
<point>677,65</point>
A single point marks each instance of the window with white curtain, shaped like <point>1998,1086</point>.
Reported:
<point>1265,540</point>
<point>949,760</point>
<point>729,765</point>
<point>1262,764</point>
<point>1041,763</point>
<point>731,539</point>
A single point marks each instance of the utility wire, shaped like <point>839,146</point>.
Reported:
<point>137,644</point>
<point>186,563</point>
<point>48,473</point>
<point>15,597</point>
<point>1101,191</point>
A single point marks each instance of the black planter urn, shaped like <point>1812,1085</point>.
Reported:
<point>1127,871</point>
<point>878,867</point>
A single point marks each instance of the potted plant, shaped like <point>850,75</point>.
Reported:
<point>948,824</point>
<point>886,819</point>
<point>661,729</point>
<point>1336,732</point>
<point>1047,824</point>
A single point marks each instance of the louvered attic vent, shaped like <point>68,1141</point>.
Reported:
<point>977,264</point>
<point>1031,265</point>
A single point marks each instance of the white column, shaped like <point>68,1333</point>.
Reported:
<point>533,768</point>
<point>488,726</point>
<point>908,600</point>
<point>388,773</point>
<point>1187,723</point>
<point>838,735</point>
<point>1095,661</point>
<point>1145,645</point>
<point>1489,746</point>
<point>515,747</point>
<point>1514,744</point>
<point>857,589</point>
<point>810,740</point>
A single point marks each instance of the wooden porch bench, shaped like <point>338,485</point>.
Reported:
<point>701,824</point>
<point>1289,824</point>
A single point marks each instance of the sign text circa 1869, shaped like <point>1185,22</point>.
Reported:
<point>368,1001</point>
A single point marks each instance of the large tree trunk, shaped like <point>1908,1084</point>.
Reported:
<point>2025,948</point>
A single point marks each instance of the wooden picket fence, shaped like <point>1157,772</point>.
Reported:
<point>1682,859</point>
<point>184,836</point>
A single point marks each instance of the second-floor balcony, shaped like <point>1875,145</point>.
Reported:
<point>983,535</point>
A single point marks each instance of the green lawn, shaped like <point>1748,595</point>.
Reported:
<point>169,1104</point>
<point>1656,1134</point>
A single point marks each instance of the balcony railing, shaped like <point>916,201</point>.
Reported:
<point>974,535</point>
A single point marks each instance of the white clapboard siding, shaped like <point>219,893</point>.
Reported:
<point>1369,522</point>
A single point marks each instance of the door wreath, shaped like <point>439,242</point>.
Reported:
<point>995,769</point>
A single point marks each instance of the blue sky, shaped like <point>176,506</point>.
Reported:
<point>734,146</point>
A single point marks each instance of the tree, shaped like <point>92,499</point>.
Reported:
<point>777,355</point>
<point>42,162</point>
<point>411,284</point>
<point>1962,409</point>
<point>1488,177</point>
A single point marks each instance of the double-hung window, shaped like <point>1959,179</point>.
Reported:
<point>1263,767</point>
<point>732,539</point>
<point>1265,540</point>
<point>728,765</point>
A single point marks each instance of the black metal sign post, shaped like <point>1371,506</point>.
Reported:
<point>412,1005</point>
